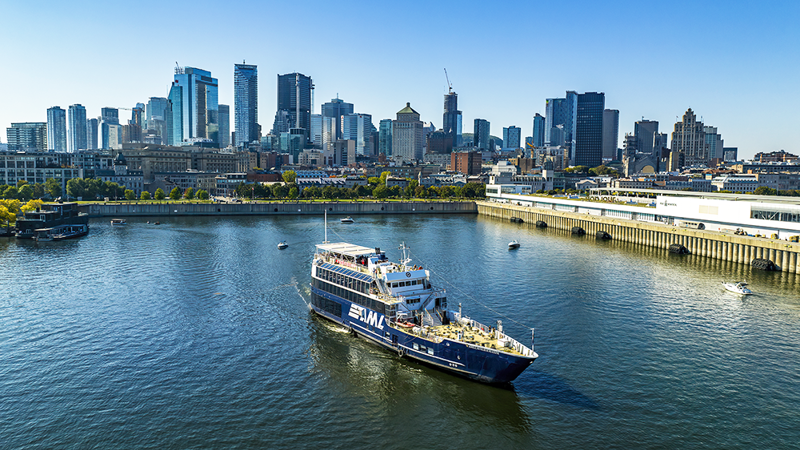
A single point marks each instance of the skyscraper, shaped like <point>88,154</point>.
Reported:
<point>294,97</point>
<point>481,134</point>
<point>645,132</point>
<point>407,135</point>
<point>56,129</point>
<point>358,128</point>
<point>385,137</point>
<point>539,123</point>
<point>109,122</point>
<point>27,136</point>
<point>245,103</point>
<point>610,133</point>
<point>77,129</point>
<point>451,119</point>
<point>92,132</point>
<point>588,148</point>
<point>199,104</point>
<point>225,125</point>
<point>174,114</point>
<point>689,139</point>
<point>337,108</point>
<point>156,117</point>
<point>512,136</point>
<point>715,142</point>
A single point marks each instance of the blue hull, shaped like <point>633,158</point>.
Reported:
<point>477,363</point>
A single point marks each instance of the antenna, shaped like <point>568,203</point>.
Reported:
<point>449,85</point>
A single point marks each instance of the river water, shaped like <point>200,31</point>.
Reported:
<point>195,334</point>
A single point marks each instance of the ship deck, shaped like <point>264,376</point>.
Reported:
<point>469,335</point>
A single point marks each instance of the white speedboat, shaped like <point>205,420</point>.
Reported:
<point>118,222</point>
<point>347,219</point>
<point>282,245</point>
<point>513,245</point>
<point>738,287</point>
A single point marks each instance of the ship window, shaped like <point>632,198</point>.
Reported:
<point>430,351</point>
<point>422,347</point>
<point>415,346</point>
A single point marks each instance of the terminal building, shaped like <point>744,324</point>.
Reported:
<point>756,215</point>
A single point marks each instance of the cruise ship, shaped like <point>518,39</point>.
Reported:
<point>395,306</point>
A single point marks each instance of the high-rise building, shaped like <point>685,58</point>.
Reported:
<point>156,117</point>
<point>92,133</point>
<point>480,135</point>
<point>512,136</point>
<point>385,137</point>
<point>336,108</point>
<point>538,130</point>
<point>645,132</point>
<point>57,129</point>
<point>358,128</point>
<point>77,128</point>
<point>225,125</point>
<point>315,132</point>
<point>451,119</point>
<point>199,104</point>
<point>689,139</point>
<point>610,133</point>
<point>245,103</point>
<point>174,113</point>
<point>407,135</point>
<point>109,122</point>
<point>294,97</point>
<point>715,142</point>
<point>27,136</point>
<point>588,148</point>
<point>561,120</point>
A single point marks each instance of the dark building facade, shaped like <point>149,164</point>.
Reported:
<point>336,108</point>
<point>451,119</point>
<point>289,100</point>
<point>589,129</point>
<point>481,134</point>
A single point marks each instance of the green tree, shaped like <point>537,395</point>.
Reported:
<point>93,186</point>
<point>21,183</point>
<point>395,191</point>
<point>76,188</point>
<point>130,195</point>
<point>189,194</point>
<point>384,176</point>
<point>374,182</point>
<point>420,192</point>
<point>289,176</point>
<point>145,195</point>
<point>293,193</point>
<point>761,190</point>
<point>38,190</point>
<point>202,195</point>
<point>175,193</point>
<point>11,193</point>
<point>312,192</point>
<point>32,205</point>
<point>380,192</point>
<point>26,192</point>
<point>160,194</point>
<point>52,187</point>
<point>278,191</point>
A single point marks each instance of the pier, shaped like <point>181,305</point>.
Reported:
<point>711,244</point>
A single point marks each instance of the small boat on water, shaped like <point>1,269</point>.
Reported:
<point>282,245</point>
<point>347,219</point>
<point>513,245</point>
<point>738,287</point>
<point>60,232</point>
<point>118,222</point>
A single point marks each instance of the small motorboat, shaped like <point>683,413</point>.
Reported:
<point>513,245</point>
<point>119,222</point>
<point>738,287</point>
<point>347,219</point>
<point>282,245</point>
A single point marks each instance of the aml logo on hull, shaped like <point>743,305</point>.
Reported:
<point>370,318</point>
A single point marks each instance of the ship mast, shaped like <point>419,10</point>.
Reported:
<point>404,262</point>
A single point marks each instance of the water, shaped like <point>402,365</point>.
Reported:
<point>195,334</point>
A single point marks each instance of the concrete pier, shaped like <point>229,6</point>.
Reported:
<point>712,244</point>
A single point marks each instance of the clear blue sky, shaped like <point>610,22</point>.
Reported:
<point>735,63</point>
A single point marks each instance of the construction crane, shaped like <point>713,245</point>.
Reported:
<point>449,85</point>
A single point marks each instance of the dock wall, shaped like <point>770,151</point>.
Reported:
<point>110,209</point>
<point>711,244</point>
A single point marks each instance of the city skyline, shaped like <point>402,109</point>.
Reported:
<point>736,68</point>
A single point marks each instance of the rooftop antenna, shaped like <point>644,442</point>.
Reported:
<point>449,85</point>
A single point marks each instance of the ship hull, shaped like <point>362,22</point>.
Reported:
<point>470,361</point>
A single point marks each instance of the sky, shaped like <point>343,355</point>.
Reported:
<point>735,63</point>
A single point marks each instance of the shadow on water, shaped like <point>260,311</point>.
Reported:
<point>550,387</point>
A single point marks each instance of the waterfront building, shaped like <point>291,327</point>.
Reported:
<point>539,124</point>
<point>199,104</point>
<point>77,128</point>
<point>512,137</point>
<point>335,109</point>
<point>56,129</point>
<point>385,137</point>
<point>689,140</point>
<point>358,127</point>
<point>245,94</point>
<point>588,150</point>
<point>294,97</point>
<point>451,119</point>
<point>37,166</point>
<point>225,126</point>
<point>481,135</point>
<point>610,133</point>
<point>27,136</point>
<point>92,133</point>
<point>407,135</point>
